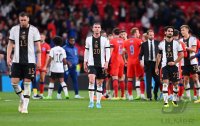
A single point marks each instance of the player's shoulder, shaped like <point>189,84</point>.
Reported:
<point>104,38</point>
<point>15,27</point>
<point>161,43</point>
<point>192,38</point>
<point>34,29</point>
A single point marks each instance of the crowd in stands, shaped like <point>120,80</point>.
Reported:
<point>74,18</point>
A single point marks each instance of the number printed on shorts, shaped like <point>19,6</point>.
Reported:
<point>31,71</point>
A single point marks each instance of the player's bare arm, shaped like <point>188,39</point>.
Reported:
<point>38,52</point>
<point>9,51</point>
<point>191,49</point>
<point>158,58</point>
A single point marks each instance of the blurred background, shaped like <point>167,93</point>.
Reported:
<point>74,18</point>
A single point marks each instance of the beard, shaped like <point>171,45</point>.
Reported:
<point>169,36</point>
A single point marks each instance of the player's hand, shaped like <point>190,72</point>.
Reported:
<point>38,65</point>
<point>141,63</point>
<point>85,67</point>
<point>171,63</point>
<point>69,63</point>
<point>9,62</point>
<point>157,70</point>
<point>106,65</point>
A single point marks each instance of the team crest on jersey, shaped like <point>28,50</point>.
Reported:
<point>119,41</point>
<point>169,49</point>
<point>43,49</point>
<point>23,37</point>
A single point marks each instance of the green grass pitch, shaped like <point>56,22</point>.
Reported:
<point>75,112</point>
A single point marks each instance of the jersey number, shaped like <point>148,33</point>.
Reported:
<point>169,54</point>
<point>96,51</point>
<point>59,58</point>
<point>120,49</point>
<point>23,43</point>
<point>131,49</point>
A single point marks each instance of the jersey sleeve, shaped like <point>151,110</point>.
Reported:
<point>194,42</point>
<point>112,43</point>
<point>36,37</point>
<point>86,53</point>
<point>51,53</point>
<point>107,49</point>
<point>11,37</point>
<point>179,47</point>
<point>160,48</point>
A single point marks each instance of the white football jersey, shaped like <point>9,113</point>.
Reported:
<point>24,43</point>
<point>57,54</point>
<point>191,42</point>
<point>169,53</point>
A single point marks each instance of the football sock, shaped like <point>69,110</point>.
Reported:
<point>50,90</point>
<point>187,90</point>
<point>170,89</point>
<point>41,87</point>
<point>64,86</point>
<point>137,86</point>
<point>175,92</point>
<point>18,91</point>
<point>115,87</point>
<point>198,89</point>
<point>142,86</point>
<point>27,93</point>
<point>99,93</point>
<point>165,92</point>
<point>122,87</point>
<point>91,92</point>
<point>130,87</point>
<point>180,90</point>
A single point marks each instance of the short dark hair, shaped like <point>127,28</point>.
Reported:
<point>58,41</point>
<point>150,30</point>
<point>23,14</point>
<point>122,31</point>
<point>116,31</point>
<point>167,27</point>
<point>176,32</point>
<point>96,23</point>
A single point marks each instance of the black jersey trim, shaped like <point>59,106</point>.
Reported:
<point>37,41</point>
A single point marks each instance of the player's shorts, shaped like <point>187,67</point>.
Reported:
<point>170,73</point>
<point>121,69</point>
<point>114,69</point>
<point>98,71</point>
<point>189,69</point>
<point>22,71</point>
<point>198,71</point>
<point>135,70</point>
<point>56,75</point>
<point>41,70</point>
